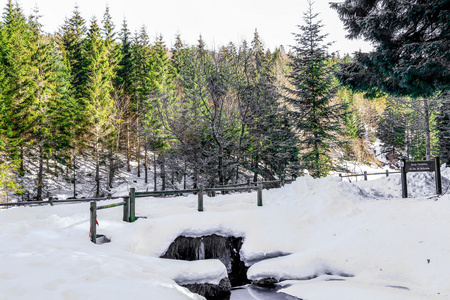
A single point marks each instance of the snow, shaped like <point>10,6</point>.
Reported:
<point>339,240</point>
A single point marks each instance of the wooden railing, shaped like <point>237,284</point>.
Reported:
<point>129,201</point>
<point>365,174</point>
<point>53,201</point>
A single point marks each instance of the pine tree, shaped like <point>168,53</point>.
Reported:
<point>109,36</point>
<point>7,165</point>
<point>71,38</point>
<point>410,57</point>
<point>98,88</point>
<point>17,56</point>
<point>313,114</point>
<point>72,35</point>
<point>140,86</point>
<point>161,85</point>
<point>443,124</point>
<point>45,98</point>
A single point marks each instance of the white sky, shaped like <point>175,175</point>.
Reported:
<point>219,22</point>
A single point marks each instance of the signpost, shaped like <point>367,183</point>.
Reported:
<point>421,166</point>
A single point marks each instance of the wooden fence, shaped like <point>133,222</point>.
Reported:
<point>129,201</point>
<point>365,174</point>
<point>53,201</point>
<point>129,212</point>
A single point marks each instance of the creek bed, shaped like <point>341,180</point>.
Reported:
<point>250,292</point>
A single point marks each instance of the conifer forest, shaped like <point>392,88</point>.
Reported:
<point>96,99</point>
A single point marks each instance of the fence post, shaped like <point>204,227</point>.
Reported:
<point>387,173</point>
<point>340,176</point>
<point>282,181</point>
<point>126,209</point>
<point>404,182</point>
<point>437,170</point>
<point>200,198</point>
<point>259,194</point>
<point>93,231</point>
<point>132,204</point>
<point>365,175</point>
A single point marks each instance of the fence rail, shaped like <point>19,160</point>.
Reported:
<point>55,201</point>
<point>245,186</point>
<point>129,201</point>
<point>365,174</point>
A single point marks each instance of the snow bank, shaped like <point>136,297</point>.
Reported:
<point>394,248</point>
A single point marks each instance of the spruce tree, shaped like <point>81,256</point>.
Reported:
<point>44,97</point>
<point>313,114</point>
<point>123,80</point>
<point>97,91</point>
<point>71,38</point>
<point>161,86</point>
<point>410,57</point>
<point>18,69</point>
<point>140,86</point>
<point>72,35</point>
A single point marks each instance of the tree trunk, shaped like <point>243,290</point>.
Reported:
<point>111,168</point>
<point>172,178</point>
<point>74,165</point>
<point>40,174</point>
<point>221,175</point>
<point>255,176</point>
<point>97,170</point>
<point>128,148</point>
<point>146,159</point>
<point>22,164</point>
<point>138,149</point>
<point>185,175</point>
<point>56,169</point>
<point>155,182</point>
<point>196,179</point>
<point>163,173</point>
<point>427,130</point>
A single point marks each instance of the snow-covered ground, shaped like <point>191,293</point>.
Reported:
<point>345,240</point>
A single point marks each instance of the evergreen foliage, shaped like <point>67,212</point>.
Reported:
<point>410,58</point>
<point>313,113</point>
<point>98,89</point>
<point>109,100</point>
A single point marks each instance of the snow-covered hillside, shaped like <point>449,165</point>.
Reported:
<point>356,240</point>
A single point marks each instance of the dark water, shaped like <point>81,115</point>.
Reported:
<point>250,292</point>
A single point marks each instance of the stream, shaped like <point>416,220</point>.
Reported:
<point>250,292</point>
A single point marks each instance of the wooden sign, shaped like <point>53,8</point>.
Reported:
<point>420,166</point>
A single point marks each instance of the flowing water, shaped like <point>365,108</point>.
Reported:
<point>250,292</point>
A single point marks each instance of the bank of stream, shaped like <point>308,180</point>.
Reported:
<point>227,250</point>
<point>251,292</point>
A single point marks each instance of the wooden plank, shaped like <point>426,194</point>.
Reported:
<point>200,198</point>
<point>158,193</point>
<point>230,189</point>
<point>419,166</point>
<point>438,176</point>
<point>132,204</point>
<point>93,219</point>
<point>126,209</point>
<point>110,205</point>
<point>259,194</point>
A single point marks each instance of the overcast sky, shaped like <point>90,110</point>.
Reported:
<point>219,22</point>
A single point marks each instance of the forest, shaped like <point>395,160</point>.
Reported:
<point>111,100</point>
